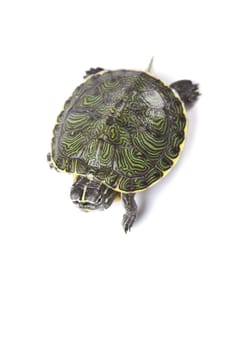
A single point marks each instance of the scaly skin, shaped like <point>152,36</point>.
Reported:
<point>123,131</point>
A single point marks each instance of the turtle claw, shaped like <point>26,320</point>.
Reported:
<point>131,211</point>
<point>187,90</point>
<point>127,222</point>
<point>92,71</point>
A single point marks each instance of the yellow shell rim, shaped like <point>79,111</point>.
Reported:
<point>175,160</point>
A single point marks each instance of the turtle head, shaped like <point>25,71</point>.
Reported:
<point>90,194</point>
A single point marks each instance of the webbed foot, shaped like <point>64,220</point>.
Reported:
<point>187,90</point>
<point>92,71</point>
<point>49,160</point>
<point>131,211</point>
<point>128,221</point>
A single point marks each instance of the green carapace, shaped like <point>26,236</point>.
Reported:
<point>120,132</point>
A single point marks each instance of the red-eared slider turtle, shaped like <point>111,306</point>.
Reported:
<point>121,131</point>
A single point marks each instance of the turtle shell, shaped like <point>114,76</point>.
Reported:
<point>125,128</point>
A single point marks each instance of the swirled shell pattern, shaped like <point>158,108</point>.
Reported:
<point>123,127</point>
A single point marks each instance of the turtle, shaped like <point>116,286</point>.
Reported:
<point>119,133</point>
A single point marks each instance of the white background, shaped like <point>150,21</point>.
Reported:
<point>71,280</point>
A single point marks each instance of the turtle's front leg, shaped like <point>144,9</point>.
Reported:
<point>131,210</point>
<point>49,160</point>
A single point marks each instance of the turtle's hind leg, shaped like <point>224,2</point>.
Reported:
<point>92,71</point>
<point>49,160</point>
<point>131,211</point>
<point>187,90</point>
